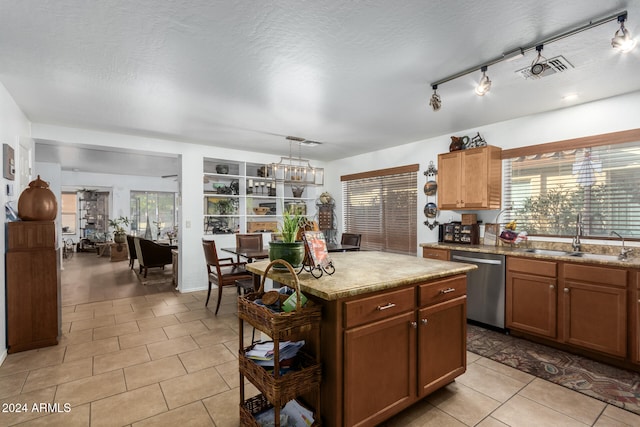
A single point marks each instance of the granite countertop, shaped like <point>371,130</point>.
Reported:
<point>364,272</point>
<point>608,253</point>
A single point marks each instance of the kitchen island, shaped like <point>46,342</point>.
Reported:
<point>393,330</point>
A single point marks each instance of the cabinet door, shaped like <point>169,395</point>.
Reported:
<point>474,189</point>
<point>449,180</point>
<point>442,345</point>
<point>595,317</point>
<point>32,299</point>
<point>379,369</point>
<point>531,304</point>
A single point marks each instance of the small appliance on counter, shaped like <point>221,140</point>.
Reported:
<point>456,232</point>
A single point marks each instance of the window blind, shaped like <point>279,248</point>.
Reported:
<point>549,189</point>
<point>381,206</point>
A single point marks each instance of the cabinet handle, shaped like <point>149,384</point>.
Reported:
<point>551,287</point>
<point>566,290</point>
<point>424,321</point>
<point>414,325</point>
<point>448,290</point>
<point>386,306</point>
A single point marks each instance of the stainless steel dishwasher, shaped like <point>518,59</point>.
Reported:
<point>485,287</point>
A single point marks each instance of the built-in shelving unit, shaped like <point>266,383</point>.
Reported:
<point>94,217</point>
<point>250,197</point>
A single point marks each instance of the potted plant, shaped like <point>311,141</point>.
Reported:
<point>288,249</point>
<point>119,233</point>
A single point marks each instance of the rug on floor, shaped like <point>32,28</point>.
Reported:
<point>156,276</point>
<point>612,385</point>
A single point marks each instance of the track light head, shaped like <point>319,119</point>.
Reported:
<point>539,65</point>
<point>622,40</point>
<point>485,84</point>
<point>435,101</point>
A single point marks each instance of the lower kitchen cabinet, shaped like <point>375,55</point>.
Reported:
<point>594,308</point>
<point>442,355</point>
<point>379,369</point>
<point>531,296</point>
<point>581,305</point>
<point>396,347</point>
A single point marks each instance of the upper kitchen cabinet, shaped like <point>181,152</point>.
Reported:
<point>470,179</point>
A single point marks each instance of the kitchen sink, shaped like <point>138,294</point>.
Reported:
<point>594,256</point>
<point>548,252</point>
<point>551,252</point>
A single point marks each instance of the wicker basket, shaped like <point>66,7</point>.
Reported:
<point>282,389</point>
<point>279,325</point>
<point>253,406</point>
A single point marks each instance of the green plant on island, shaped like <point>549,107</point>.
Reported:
<point>290,226</point>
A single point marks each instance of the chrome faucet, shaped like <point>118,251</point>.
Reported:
<point>575,244</point>
<point>623,251</point>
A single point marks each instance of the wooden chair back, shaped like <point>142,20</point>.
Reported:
<point>211,255</point>
<point>249,241</point>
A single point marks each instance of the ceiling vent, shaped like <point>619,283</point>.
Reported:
<point>552,66</point>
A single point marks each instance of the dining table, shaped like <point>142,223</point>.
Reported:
<point>256,254</point>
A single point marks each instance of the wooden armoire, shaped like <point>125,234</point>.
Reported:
<point>33,285</point>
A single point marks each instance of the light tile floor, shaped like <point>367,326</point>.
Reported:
<point>149,356</point>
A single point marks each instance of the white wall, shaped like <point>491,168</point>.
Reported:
<point>609,115</point>
<point>15,129</point>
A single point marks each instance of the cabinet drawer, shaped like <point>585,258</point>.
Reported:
<point>442,290</point>
<point>378,307</point>
<point>442,254</point>
<point>593,274</point>
<point>532,266</point>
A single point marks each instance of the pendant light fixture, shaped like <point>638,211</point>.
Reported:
<point>296,170</point>
<point>622,39</point>
<point>485,84</point>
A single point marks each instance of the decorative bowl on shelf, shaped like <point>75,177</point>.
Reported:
<point>262,210</point>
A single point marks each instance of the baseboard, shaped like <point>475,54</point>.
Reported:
<point>3,356</point>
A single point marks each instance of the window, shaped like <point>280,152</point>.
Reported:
<point>69,208</point>
<point>152,213</point>
<point>549,185</point>
<point>381,206</point>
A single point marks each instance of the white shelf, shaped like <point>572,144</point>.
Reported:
<point>242,173</point>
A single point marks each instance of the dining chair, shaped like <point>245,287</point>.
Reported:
<point>222,271</point>
<point>248,241</point>
<point>132,250</point>
<point>351,239</point>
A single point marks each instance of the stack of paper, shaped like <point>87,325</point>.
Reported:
<point>292,415</point>
<point>262,353</point>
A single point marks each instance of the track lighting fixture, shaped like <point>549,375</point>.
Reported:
<point>622,39</point>
<point>435,101</point>
<point>485,84</point>
<point>540,63</point>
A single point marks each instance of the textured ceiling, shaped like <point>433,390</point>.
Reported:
<point>353,74</point>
